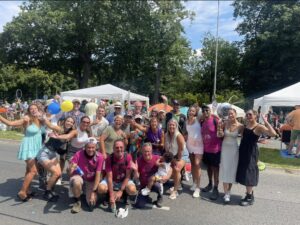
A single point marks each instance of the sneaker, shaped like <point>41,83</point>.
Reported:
<point>193,187</point>
<point>248,200</point>
<point>76,207</point>
<point>145,191</point>
<point>91,207</point>
<point>173,195</point>
<point>50,196</point>
<point>208,188</point>
<point>59,181</point>
<point>226,198</point>
<point>196,193</point>
<point>215,194</point>
<point>172,189</point>
<point>159,201</point>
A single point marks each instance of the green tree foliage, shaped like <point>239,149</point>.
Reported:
<point>271,44</point>
<point>97,42</point>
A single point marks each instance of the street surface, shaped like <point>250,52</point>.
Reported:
<point>277,201</point>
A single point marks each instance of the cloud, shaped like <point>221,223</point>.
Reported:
<point>205,21</point>
<point>8,10</point>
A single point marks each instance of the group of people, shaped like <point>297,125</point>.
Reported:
<point>126,155</point>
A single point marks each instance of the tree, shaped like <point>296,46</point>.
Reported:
<point>271,44</point>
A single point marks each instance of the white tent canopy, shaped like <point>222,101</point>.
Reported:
<point>239,111</point>
<point>106,91</point>
<point>289,96</point>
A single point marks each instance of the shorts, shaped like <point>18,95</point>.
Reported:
<point>86,186</point>
<point>116,186</point>
<point>212,159</point>
<point>142,201</point>
<point>295,135</point>
<point>45,154</point>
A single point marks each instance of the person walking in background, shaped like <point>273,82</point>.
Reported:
<point>212,150</point>
<point>293,118</point>
<point>230,130</point>
<point>247,170</point>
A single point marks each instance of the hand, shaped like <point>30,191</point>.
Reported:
<point>264,117</point>
<point>93,198</point>
<point>112,199</point>
<point>133,166</point>
<point>118,195</point>
<point>164,98</point>
<point>104,155</point>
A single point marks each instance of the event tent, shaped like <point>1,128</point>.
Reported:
<point>289,96</point>
<point>106,91</point>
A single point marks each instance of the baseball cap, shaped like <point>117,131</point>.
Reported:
<point>138,117</point>
<point>175,102</point>
<point>91,140</point>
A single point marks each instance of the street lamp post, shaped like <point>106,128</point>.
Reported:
<point>216,56</point>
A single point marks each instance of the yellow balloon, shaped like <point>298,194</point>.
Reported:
<point>66,106</point>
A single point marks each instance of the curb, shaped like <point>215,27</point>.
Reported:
<point>284,170</point>
<point>10,140</point>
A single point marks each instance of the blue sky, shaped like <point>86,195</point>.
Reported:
<point>204,21</point>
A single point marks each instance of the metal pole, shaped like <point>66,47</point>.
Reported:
<point>216,59</point>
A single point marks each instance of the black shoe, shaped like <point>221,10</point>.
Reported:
<point>159,201</point>
<point>248,200</point>
<point>50,196</point>
<point>125,198</point>
<point>215,194</point>
<point>91,207</point>
<point>208,188</point>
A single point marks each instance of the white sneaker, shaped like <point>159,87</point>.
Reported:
<point>196,193</point>
<point>226,198</point>
<point>172,189</point>
<point>193,187</point>
<point>59,181</point>
<point>173,195</point>
<point>145,191</point>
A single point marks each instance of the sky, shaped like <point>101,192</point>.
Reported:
<point>204,21</point>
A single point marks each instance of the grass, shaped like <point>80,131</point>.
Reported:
<point>13,135</point>
<point>272,158</point>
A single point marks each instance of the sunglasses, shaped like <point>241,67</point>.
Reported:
<point>206,110</point>
<point>86,122</point>
<point>249,114</point>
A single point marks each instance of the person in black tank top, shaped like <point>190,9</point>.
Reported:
<point>247,171</point>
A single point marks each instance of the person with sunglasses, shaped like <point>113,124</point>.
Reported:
<point>247,170</point>
<point>117,181</point>
<point>212,150</point>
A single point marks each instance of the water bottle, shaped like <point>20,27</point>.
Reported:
<point>79,171</point>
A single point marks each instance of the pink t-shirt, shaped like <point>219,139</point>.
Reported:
<point>147,169</point>
<point>211,143</point>
<point>118,168</point>
<point>88,166</point>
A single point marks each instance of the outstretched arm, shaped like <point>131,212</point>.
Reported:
<point>15,123</point>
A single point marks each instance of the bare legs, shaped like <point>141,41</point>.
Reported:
<point>31,171</point>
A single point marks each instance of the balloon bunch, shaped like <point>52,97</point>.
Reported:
<point>54,108</point>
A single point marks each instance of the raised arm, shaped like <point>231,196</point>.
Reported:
<point>15,123</point>
<point>51,126</point>
<point>68,136</point>
<point>266,129</point>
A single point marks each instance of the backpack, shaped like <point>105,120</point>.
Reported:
<point>215,121</point>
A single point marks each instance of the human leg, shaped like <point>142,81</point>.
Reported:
<point>31,171</point>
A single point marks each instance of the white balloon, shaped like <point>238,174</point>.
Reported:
<point>222,110</point>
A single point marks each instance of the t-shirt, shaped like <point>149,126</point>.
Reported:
<point>90,108</point>
<point>112,136</point>
<point>88,166</point>
<point>211,143</point>
<point>118,168</point>
<point>147,169</point>
<point>98,128</point>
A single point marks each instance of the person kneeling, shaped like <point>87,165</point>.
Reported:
<point>118,170</point>
<point>85,168</point>
<point>164,169</point>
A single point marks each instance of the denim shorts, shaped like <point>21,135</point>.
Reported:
<point>45,154</point>
<point>117,186</point>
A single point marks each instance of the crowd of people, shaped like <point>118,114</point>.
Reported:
<point>124,155</point>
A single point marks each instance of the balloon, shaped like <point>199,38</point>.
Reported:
<point>53,108</point>
<point>222,110</point>
<point>66,106</point>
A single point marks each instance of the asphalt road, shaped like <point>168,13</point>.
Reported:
<point>277,201</point>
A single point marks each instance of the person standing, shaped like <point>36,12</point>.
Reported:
<point>75,113</point>
<point>212,150</point>
<point>293,118</point>
<point>99,122</point>
<point>194,144</point>
<point>117,111</point>
<point>247,170</point>
<point>230,152</point>
<point>90,108</point>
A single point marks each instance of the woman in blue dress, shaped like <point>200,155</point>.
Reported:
<point>30,145</point>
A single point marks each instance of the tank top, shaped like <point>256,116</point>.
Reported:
<point>80,140</point>
<point>171,144</point>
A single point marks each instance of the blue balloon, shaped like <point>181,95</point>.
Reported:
<point>53,108</point>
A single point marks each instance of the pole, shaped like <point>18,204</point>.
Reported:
<point>216,58</point>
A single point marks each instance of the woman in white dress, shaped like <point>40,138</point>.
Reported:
<point>194,144</point>
<point>230,130</point>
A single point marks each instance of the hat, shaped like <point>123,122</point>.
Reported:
<point>118,105</point>
<point>76,100</point>
<point>128,114</point>
<point>175,102</point>
<point>138,117</point>
<point>91,140</point>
